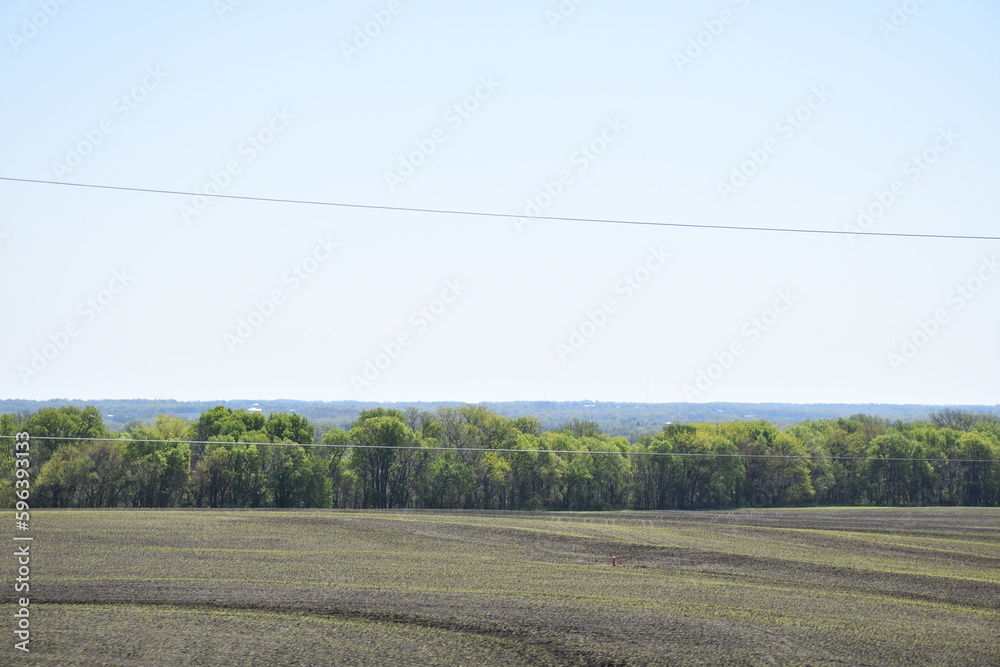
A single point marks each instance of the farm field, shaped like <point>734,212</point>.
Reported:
<point>826,586</point>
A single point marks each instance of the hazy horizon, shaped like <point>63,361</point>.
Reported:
<point>253,400</point>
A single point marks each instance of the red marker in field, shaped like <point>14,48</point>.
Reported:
<point>614,561</point>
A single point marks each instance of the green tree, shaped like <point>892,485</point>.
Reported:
<point>158,470</point>
<point>612,472</point>
<point>425,424</point>
<point>581,428</point>
<point>979,470</point>
<point>890,479</point>
<point>90,474</point>
<point>378,460</point>
<point>211,479</point>
<point>343,480</point>
<point>285,427</point>
<point>248,485</point>
<point>447,482</point>
<point>67,423</point>
<point>297,479</point>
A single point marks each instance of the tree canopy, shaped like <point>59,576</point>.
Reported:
<point>469,457</point>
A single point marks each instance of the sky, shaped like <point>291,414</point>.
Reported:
<point>857,117</point>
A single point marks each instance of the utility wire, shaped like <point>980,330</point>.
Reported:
<point>409,209</point>
<point>517,451</point>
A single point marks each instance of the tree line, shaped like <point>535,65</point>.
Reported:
<point>468,457</point>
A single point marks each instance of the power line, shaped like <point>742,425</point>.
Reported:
<point>409,209</point>
<point>515,451</point>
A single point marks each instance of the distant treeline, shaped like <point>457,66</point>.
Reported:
<point>630,419</point>
<point>394,458</point>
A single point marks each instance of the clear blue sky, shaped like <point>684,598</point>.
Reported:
<point>760,114</point>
